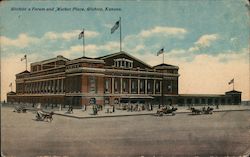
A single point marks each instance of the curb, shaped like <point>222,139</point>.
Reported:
<point>127,115</point>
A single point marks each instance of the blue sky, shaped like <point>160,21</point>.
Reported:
<point>186,29</point>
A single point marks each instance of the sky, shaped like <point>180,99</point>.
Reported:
<point>208,40</point>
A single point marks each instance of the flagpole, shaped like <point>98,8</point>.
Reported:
<point>120,34</point>
<point>162,94</point>
<point>83,44</point>
<point>163,57</point>
<point>26,62</point>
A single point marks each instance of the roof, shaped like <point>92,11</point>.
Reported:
<point>233,92</point>
<point>201,95</point>
<point>11,93</point>
<point>24,72</point>
<point>59,57</point>
<point>122,52</point>
<point>83,58</point>
<point>165,65</point>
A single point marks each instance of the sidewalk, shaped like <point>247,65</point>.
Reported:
<point>80,114</point>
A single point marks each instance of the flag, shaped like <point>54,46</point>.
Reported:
<point>160,52</point>
<point>23,58</point>
<point>230,82</point>
<point>81,35</point>
<point>10,84</point>
<point>115,27</point>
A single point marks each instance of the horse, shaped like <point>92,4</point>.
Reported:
<point>195,111</point>
<point>49,117</point>
<point>44,116</point>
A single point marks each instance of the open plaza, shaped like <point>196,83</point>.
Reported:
<point>224,133</point>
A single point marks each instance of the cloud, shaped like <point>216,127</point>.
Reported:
<point>204,41</point>
<point>107,25</point>
<point>206,74</point>
<point>91,50</point>
<point>165,31</point>
<point>157,31</point>
<point>69,35</point>
<point>11,66</point>
<point>23,40</point>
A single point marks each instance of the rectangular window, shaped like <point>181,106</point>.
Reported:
<point>133,85</point>
<point>107,84</point>
<point>141,84</point>
<point>92,84</point>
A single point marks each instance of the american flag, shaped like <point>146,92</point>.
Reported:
<point>23,58</point>
<point>115,27</point>
<point>81,35</point>
<point>230,82</point>
<point>160,51</point>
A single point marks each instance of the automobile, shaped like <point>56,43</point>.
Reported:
<point>196,111</point>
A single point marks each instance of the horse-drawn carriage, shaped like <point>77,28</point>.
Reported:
<point>208,110</point>
<point>42,116</point>
<point>166,110</point>
<point>20,109</point>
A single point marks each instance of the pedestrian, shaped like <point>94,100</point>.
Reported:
<point>113,108</point>
<point>93,107</point>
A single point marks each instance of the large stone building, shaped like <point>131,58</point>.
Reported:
<point>108,80</point>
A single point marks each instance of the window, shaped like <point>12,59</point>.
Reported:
<point>157,86</point>
<point>141,84</point>
<point>107,84</point>
<point>92,84</point>
<point>133,85</point>
<point>123,63</point>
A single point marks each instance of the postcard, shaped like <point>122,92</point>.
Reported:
<point>123,78</point>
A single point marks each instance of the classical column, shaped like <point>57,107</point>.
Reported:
<point>28,88</point>
<point>112,85</point>
<point>57,86</point>
<point>35,90</point>
<point>154,87</point>
<point>146,86</point>
<point>62,86</point>
<point>33,87</point>
<point>160,86</point>
<point>53,86</point>
<point>138,86</point>
<point>48,86</point>
<point>44,86</point>
<point>121,86</point>
<point>41,87</point>
<point>129,87</point>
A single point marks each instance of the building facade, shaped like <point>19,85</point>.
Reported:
<point>108,80</point>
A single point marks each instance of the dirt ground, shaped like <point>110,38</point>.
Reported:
<point>220,134</point>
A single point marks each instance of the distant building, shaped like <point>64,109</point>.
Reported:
<point>112,79</point>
